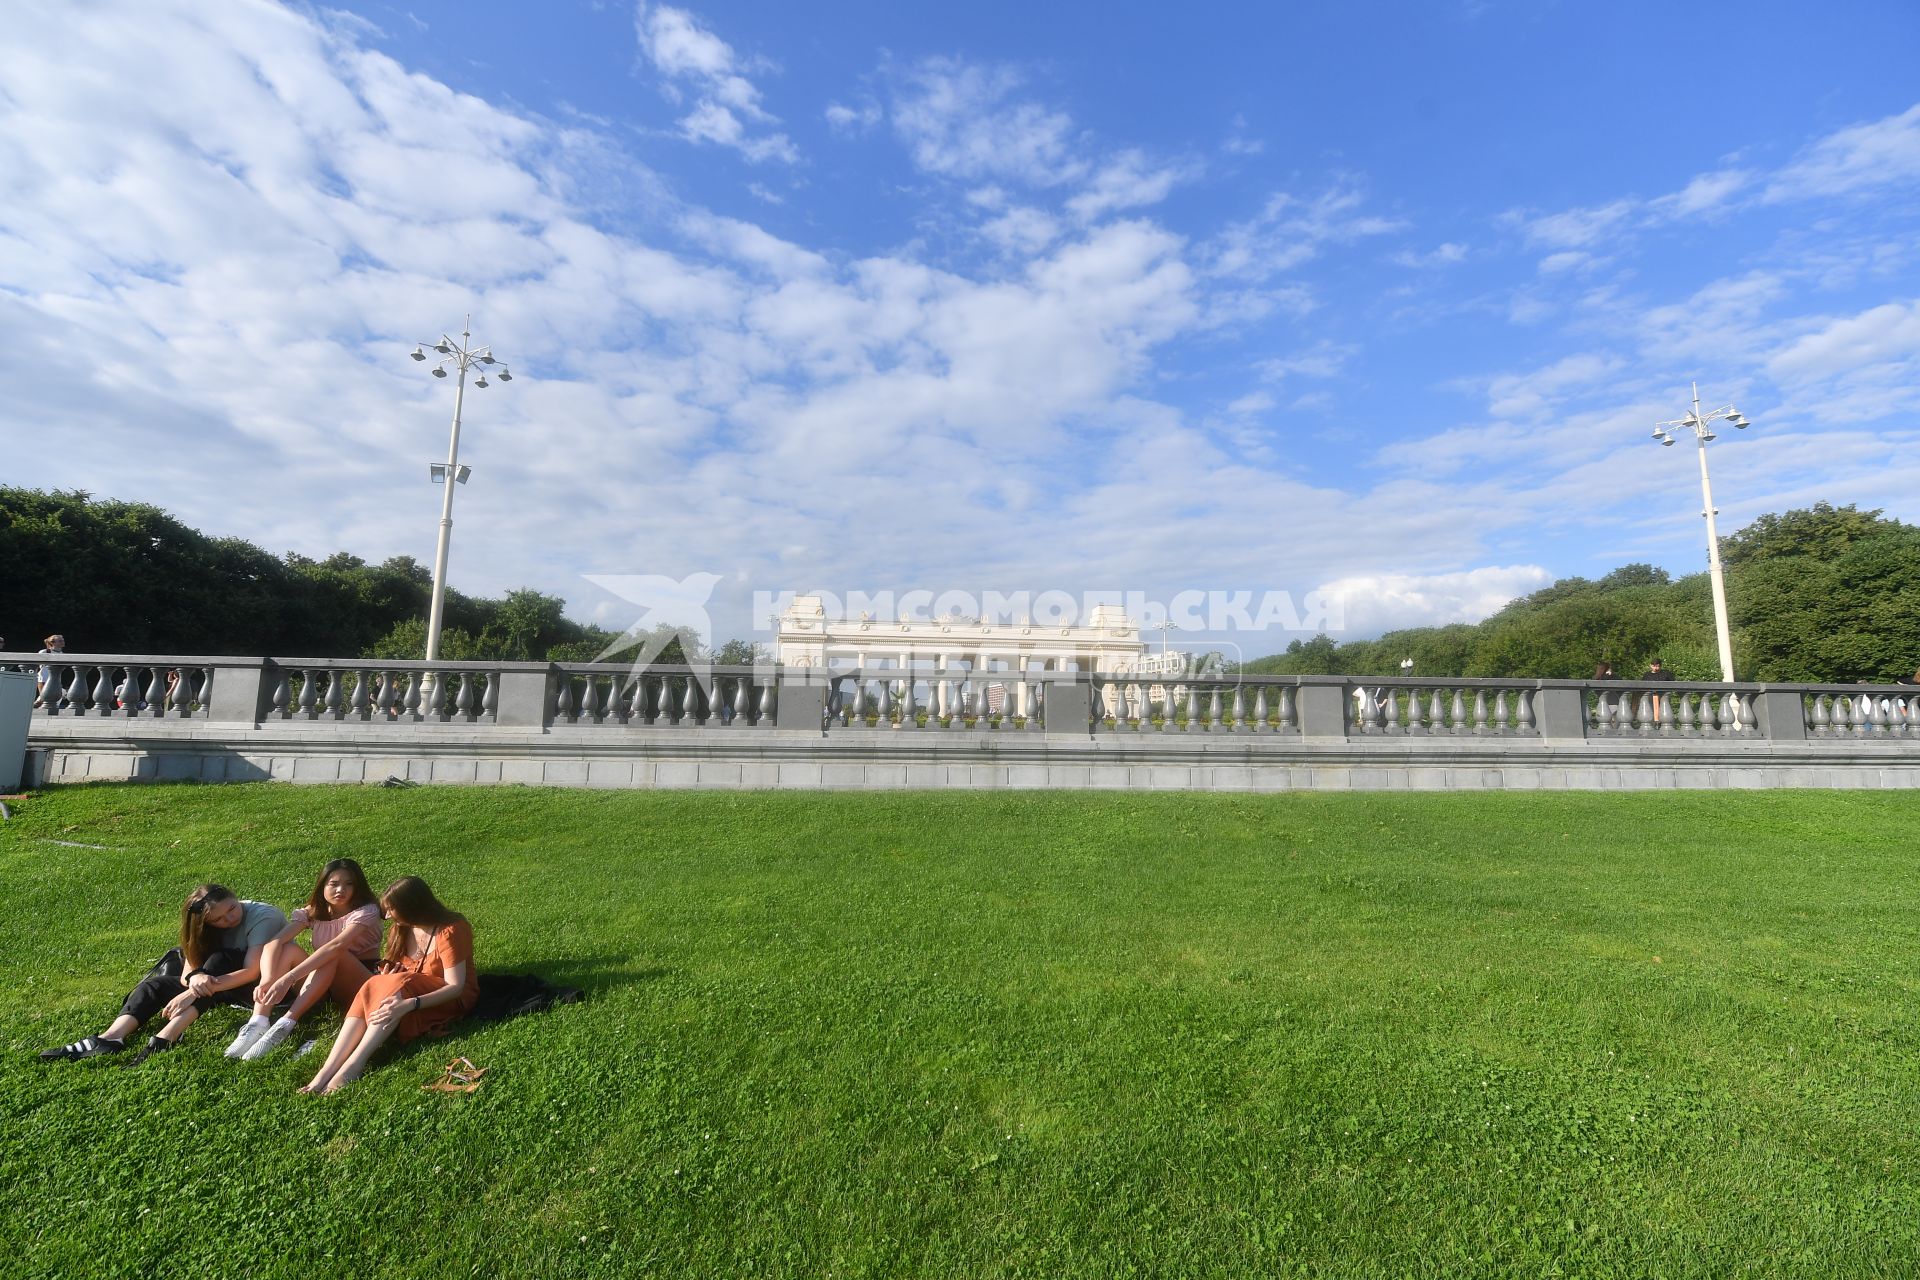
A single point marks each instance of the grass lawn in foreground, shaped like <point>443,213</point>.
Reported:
<point>1006,1034</point>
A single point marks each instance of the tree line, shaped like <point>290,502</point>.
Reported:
<point>1822,594</point>
<point>126,577</point>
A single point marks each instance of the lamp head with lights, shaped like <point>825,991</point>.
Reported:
<point>437,472</point>
<point>418,354</point>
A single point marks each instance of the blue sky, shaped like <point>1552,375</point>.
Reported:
<point>1379,301</point>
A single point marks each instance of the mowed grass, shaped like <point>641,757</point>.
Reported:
<point>1007,1035</point>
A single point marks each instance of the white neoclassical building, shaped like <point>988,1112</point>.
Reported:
<point>951,649</point>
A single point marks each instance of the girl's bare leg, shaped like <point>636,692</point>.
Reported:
<point>120,1028</point>
<point>274,961</point>
<point>312,991</point>
<point>344,1044</point>
<point>369,1045</point>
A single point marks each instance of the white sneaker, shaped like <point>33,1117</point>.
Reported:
<point>270,1039</point>
<point>248,1034</point>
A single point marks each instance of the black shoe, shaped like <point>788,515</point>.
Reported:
<point>147,1050</point>
<point>91,1047</point>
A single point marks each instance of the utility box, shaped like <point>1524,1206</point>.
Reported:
<point>16,713</point>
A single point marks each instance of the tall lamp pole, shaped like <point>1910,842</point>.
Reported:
<point>462,355</point>
<point>1701,424</point>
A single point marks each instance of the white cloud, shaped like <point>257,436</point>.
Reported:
<point>1879,153</point>
<point>726,108</point>
<point>1022,230</point>
<point>1290,231</point>
<point>1706,194</point>
<point>962,120</point>
<point>1323,360</point>
<point>1125,182</point>
<point>1252,403</point>
<point>1526,395</point>
<point>1443,255</point>
<point>1881,334</point>
<point>853,119</point>
<point>1375,602</point>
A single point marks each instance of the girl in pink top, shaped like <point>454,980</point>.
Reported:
<point>344,919</point>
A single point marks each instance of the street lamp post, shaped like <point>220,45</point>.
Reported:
<point>1701,424</point>
<point>462,355</point>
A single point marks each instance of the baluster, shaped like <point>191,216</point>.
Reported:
<point>563,699</point>
<point>387,694</point>
<point>331,703</point>
<point>1525,713</point>
<point>637,707</point>
<point>860,699</point>
<point>909,717</point>
<point>1436,712</point>
<point>149,687</point>
<point>1258,724</point>
<point>1818,718</point>
<point>1289,710</point>
<point>183,692</point>
<point>769,714</point>
<point>1500,711</point>
<point>1239,709</point>
<point>103,698</point>
<point>1663,712</point>
<point>1842,716</point>
<point>357,702</point>
<point>1458,712</point>
<point>1213,710</point>
<point>463,705</point>
<point>309,690</point>
<point>590,705</point>
<point>1869,714</point>
<point>886,704</point>
<point>690,702</point>
<point>490,700</point>
<point>742,701</point>
<point>1479,724</point>
<point>1193,708</point>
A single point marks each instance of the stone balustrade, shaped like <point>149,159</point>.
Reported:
<point>143,715</point>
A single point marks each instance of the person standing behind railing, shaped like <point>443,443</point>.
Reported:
<point>52,644</point>
<point>1606,702</point>
<point>1656,670</point>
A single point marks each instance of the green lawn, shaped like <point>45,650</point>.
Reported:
<point>1036,1035</point>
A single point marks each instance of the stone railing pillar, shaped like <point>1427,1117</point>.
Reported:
<point>1323,709</point>
<point>1561,712</point>
<point>242,690</point>
<point>1780,714</point>
<point>802,700</point>
<point>1068,708</point>
<point>526,694</point>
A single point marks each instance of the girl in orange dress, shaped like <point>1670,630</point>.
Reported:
<point>426,982</point>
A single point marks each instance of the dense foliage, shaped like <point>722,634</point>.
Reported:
<point>1820,594</point>
<point>126,577</point>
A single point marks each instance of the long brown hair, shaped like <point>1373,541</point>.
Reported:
<point>408,901</point>
<point>318,908</point>
<point>193,921</point>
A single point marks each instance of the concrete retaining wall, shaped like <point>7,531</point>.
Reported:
<point>76,750</point>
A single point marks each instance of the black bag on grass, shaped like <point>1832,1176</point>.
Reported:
<point>508,995</point>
